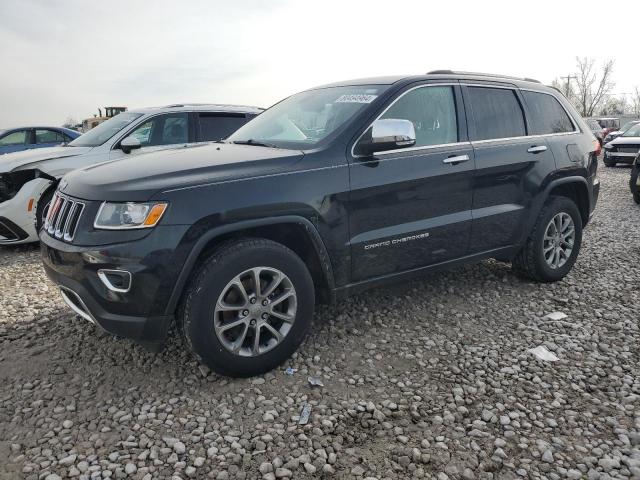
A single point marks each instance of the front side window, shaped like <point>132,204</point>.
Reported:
<point>306,119</point>
<point>14,138</point>
<point>103,132</point>
<point>432,110</point>
<point>497,113</point>
<point>48,136</point>
<point>547,115</point>
<point>163,130</point>
<point>217,126</point>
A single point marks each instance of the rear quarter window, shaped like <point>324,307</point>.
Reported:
<point>216,126</point>
<point>497,113</point>
<point>547,115</point>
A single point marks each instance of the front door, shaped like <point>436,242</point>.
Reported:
<point>411,207</point>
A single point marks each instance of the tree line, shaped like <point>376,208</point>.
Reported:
<point>590,89</point>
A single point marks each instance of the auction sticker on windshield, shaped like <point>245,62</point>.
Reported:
<point>356,98</point>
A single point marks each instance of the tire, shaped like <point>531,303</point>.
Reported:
<point>200,318</point>
<point>531,262</point>
<point>633,186</point>
<point>42,208</point>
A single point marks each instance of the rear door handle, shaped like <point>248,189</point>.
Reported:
<point>537,149</point>
<point>456,159</point>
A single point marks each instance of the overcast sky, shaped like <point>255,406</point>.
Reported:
<point>67,58</point>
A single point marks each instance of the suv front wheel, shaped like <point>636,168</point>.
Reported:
<point>553,246</point>
<point>248,308</point>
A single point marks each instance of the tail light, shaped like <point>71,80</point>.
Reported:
<point>597,148</point>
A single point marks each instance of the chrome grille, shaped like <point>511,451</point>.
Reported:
<point>63,217</point>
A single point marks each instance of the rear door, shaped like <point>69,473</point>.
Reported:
<point>214,126</point>
<point>508,164</point>
<point>411,207</point>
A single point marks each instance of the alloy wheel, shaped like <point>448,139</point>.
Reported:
<point>255,311</point>
<point>558,241</point>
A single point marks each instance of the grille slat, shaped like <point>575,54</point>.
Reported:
<point>63,217</point>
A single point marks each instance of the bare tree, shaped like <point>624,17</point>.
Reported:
<point>566,87</point>
<point>592,88</point>
<point>70,122</point>
<point>613,106</point>
<point>635,101</point>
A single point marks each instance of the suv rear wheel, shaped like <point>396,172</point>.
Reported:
<point>248,308</point>
<point>553,246</point>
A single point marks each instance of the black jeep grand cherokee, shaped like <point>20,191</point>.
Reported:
<point>330,191</point>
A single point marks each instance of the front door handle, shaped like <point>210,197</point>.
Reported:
<point>456,159</point>
<point>537,149</point>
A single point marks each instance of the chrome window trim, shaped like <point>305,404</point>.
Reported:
<point>417,149</point>
<point>424,85</point>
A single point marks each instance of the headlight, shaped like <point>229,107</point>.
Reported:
<point>122,216</point>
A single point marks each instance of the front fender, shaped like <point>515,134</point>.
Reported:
<point>206,238</point>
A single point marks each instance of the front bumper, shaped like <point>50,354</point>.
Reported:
<point>18,214</point>
<point>620,157</point>
<point>138,312</point>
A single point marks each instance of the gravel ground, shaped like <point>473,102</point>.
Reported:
<point>429,379</point>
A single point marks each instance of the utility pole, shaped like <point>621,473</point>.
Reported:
<point>568,78</point>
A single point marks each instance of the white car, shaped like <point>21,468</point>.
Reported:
<point>28,179</point>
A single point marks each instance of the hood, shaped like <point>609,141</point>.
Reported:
<point>139,178</point>
<point>37,157</point>
<point>624,141</point>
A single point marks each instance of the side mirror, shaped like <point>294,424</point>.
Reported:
<point>388,134</point>
<point>130,143</point>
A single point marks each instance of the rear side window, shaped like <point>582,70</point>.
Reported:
<point>547,115</point>
<point>497,113</point>
<point>432,110</point>
<point>49,136</point>
<point>216,126</point>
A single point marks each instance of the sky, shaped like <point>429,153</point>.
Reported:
<point>66,58</point>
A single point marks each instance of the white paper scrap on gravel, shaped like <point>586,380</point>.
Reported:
<point>555,316</point>
<point>543,353</point>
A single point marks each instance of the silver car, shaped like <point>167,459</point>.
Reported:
<point>28,179</point>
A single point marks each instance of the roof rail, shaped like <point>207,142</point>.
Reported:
<point>493,75</point>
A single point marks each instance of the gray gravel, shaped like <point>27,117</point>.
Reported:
<point>429,379</point>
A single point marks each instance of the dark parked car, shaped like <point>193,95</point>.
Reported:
<point>616,133</point>
<point>18,139</point>
<point>596,129</point>
<point>328,192</point>
<point>623,149</point>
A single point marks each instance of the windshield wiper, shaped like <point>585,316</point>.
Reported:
<point>257,143</point>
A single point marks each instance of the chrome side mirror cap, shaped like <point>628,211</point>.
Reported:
<point>130,143</point>
<point>388,134</point>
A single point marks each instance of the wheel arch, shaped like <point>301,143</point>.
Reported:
<point>295,232</point>
<point>574,188</point>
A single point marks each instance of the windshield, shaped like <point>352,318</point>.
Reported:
<point>633,131</point>
<point>307,118</point>
<point>103,132</point>
<point>628,125</point>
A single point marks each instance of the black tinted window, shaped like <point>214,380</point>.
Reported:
<point>547,115</point>
<point>497,113</point>
<point>432,110</point>
<point>170,129</point>
<point>216,126</point>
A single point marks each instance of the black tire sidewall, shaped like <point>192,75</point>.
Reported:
<point>556,206</point>
<point>199,327</point>
<point>633,183</point>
